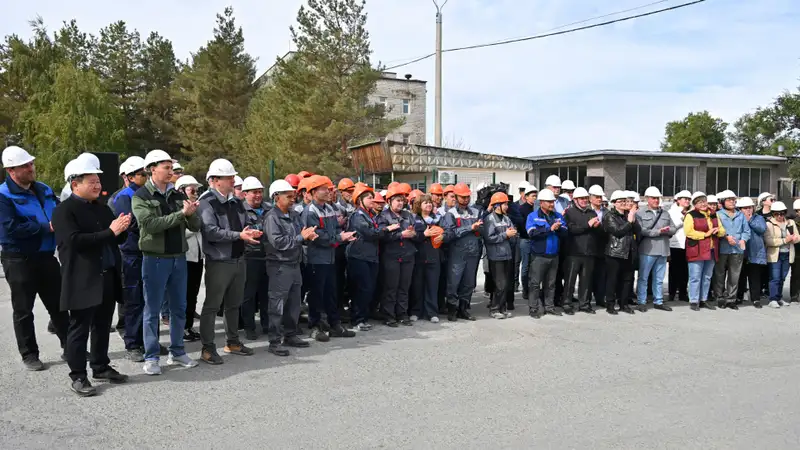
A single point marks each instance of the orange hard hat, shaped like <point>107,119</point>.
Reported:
<point>462,190</point>
<point>303,184</point>
<point>437,231</point>
<point>498,197</point>
<point>304,174</point>
<point>360,189</point>
<point>345,184</point>
<point>361,184</point>
<point>392,193</point>
<point>392,185</point>
<point>414,194</point>
<point>378,198</point>
<point>448,188</point>
<point>317,181</point>
<point>435,189</point>
<point>404,188</point>
<point>293,180</point>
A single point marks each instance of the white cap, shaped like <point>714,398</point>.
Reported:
<point>712,199</point>
<point>77,167</point>
<point>683,194</point>
<point>156,156</point>
<point>523,185</point>
<point>176,165</point>
<point>618,195</point>
<point>580,192</point>
<point>237,181</point>
<point>727,193</point>
<point>14,156</point>
<point>531,188</point>
<point>763,196</point>
<point>795,206</point>
<point>186,180</point>
<point>547,195</point>
<point>698,194</point>
<point>778,207</point>
<point>746,202</point>
<point>596,190</point>
<point>652,191</point>
<point>553,180</point>
<point>278,186</point>
<point>133,164</point>
<point>222,168</point>
<point>251,183</point>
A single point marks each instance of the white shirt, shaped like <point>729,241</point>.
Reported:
<point>679,239</point>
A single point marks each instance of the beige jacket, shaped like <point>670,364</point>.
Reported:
<point>774,240</point>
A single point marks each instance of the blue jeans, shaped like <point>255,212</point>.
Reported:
<point>164,277</point>
<point>658,265</point>
<point>700,280</point>
<point>777,275</point>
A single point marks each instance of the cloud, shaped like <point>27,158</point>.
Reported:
<point>612,87</point>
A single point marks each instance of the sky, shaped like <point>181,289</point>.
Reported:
<point>613,87</point>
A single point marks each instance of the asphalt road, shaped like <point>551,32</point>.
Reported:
<point>682,380</point>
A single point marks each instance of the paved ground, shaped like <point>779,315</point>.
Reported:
<point>681,380</point>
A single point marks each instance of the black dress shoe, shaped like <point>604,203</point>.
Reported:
<point>706,305</point>
<point>757,304</point>
<point>662,307</point>
<point>641,308</point>
<point>110,375</point>
<point>569,311</point>
<point>83,388</point>
<point>296,342</point>
<point>695,307</point>
<point>391,323</point>
<point>627,309</point>
<point>190,335</point>
<point>277,350</point>
<point>33,364</point>
<point>588,310</point>
<point>553,312</point>
<point>612,311</point>
<point>721,305</point>
<point>733,306</point>
<point>464,314</point>
<point>535,314</point>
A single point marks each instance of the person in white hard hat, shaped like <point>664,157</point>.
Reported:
<point>177,171</point>
<point>84,159</point>
<point>703,230</point>
<point>256,282</point>
<point>764,206</point>
<point>28,252</point>
<point>584,233</point>
<point>794,286</point>
<point>188,186</point>
<point>621,225</point>
<point>237,187</point>
<point>163,215</point>
<point>530,205</point>
<point>678,267</point>
<point>87,236</point>
<point>756,252</point>
<point>567,188</point>
<point>597,201</point>
<point>656,230</point>
<point>553,182</point>
<point>732,246</point>
<point>546,229</point>
<point>523,185</point>
<point>780,238</point>
<point>123,168</point>
<point>211,185</point>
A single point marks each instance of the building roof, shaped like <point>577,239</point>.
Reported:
<point>610,153</point>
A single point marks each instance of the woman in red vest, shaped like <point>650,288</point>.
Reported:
<point>703,230</point>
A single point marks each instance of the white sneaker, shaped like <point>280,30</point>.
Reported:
<point>498,315</point>
<point>362,327</point>
<point>182,360</point>
<point>774,304</point>
<point>414,318</point>
<point>151,367</point>
<point>783,303</point>
<point>434,319</point>
<point>508,314</point>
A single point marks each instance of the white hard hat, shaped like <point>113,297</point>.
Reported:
<point>531,188</point>
<point>618,195</point>
<point>568,185</point>
<point>553,180</point>
<point>133,164</point>
<point>596,190</point>
<point>763,196</point>
<point>251,183</point>
<point>176,166</point>
<point>14,156</point>
<point>547,195</point>
<point>683,194</point>
<point>795,206</point>
<point>580,192</point>
<point>89,159</point>
<point>123,168</point>
<point>747,202</point>
<point>222,168</point>
<point>81,167</point>
<point>697,195</point>
<point>630,194</point>
<point>636,198</point>
<point>605,199</point>
<point>278,186</point>
<point>186,180</point>
<point>652,191</point>
<point>727,193</point>
<point>237,180</point>
<point>712,199</point>
<point>778,207</point>
<point>68,169</point>
<point>523,185</point>
<point>383,193</point>
<point>155,157</point>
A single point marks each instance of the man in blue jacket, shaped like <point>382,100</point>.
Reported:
<point>731,251</point>
<point>29,244</point>
<point>546,228</point>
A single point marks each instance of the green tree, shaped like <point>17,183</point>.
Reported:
<point>696,133</point>
<point>159,69</point>
<point>212,94</point>
<point>315,105</point>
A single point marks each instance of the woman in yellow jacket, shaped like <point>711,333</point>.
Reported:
<point>703,230</point>
<point>780,237</point>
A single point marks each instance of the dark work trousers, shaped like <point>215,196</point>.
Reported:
<point>462,272</point>
<point>542,275</point>
<point>375,305</point>
<point>678,274</point>
<point>728,270</point>
<point>488,281</point>
<point>765,280</point>
<point>619,279</point>
<point>396,284</point>
<point>194,272</point>
<point>499,271</point>
<point>559,284</point>
<point>28,275</point>
<point>120,327</point>
<point>322,294</point>
<point>743,277</point>
<point>342,291</point>
<point>96,320</point>
<point>362,276</point>
<point>304,288</point>
<point>579,266</point>
<point>442,294</point>
<point>133,296</point>
<point>425,289</point>
<point>599,280</point>
<point>510,290</point>
<point>794,284</point>
<point>517,262</point>
<point>754,274</point>
<point>284,301</point>
<point>256,295</point>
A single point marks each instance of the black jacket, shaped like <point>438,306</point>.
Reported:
<point>524,212</point>
<point>516,216</point>
<point>82,232</point>
<point>283,242</point>
<point>583,238</point>
<point>621,242</point>
<point>396,247</point>
<point>368,236</point>
<point>426,254</point>
<point>256,221</point>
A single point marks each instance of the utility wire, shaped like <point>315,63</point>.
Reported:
<point>557,33</point>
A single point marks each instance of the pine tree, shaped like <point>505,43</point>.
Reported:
<point>159,69</point>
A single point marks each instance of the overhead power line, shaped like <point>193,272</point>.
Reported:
<point>556,33</point>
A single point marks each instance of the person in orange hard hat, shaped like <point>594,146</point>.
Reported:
<point>500,238</point>
<point>304,197</point>
<point>449,200</point>
<point>378,202</point>
<point>416,193</point>
<point>362,256</point>
<point>304,174</point>
<point>436,191</point>
<point>462,225</point>
<point>392,185</point>
<point>293,180</point>
<point>428,264</point>
<point>397,259</point>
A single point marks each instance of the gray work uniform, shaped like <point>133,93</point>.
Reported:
<point>284,252</point>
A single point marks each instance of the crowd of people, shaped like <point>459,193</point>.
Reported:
<point>353,256</point>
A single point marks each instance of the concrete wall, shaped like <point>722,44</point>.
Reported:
<point>395,90</point>
<point>614,175</point>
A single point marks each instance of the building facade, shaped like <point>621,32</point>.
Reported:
<point>403,98</point>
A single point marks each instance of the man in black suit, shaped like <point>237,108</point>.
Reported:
<point>88,235</point>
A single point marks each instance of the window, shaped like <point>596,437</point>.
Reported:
<point>743,181</point>
<point>382,101</point>
<point>406,137</point>
<point>668,179</point>
<point>406,106</point>
<point>577,174</point>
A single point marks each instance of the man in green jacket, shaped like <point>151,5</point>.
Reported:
<point>163,215</point>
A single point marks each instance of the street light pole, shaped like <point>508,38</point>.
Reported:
<point>438,107</point>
